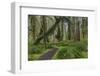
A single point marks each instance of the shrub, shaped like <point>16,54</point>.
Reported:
<point>65,52</point>
<point>35,49</point>
<point>49,46</point>
<point>75,50</point>
<point>63,44</point>
<point>81,46</point>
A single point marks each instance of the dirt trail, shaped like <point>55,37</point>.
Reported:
<point>48,55</point>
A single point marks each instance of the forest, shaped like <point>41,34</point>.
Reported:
<point>57,37</point>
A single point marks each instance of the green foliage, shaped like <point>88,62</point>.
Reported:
<point>64,44</point>
<point>82,46</point>
<point>73,50</point>
<point>36,49</point>
<point>60,32</point>
<point>33,57</point>
<point>65,53</point>
<point>49,46</point>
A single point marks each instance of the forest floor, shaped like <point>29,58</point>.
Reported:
<point>48,55</point>
<point>62,50</point>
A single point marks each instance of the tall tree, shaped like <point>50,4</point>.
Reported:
<point>49,31</point>
<point>83,26</point>
<point>69,29</point>
<point>76,29</point>
<point>44,30</point>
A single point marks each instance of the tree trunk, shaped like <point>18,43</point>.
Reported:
<point>69,31</point>
<point>47,33</point>
<point>83,33</point>
<point>78,31</point>
<point>62,29</point>
<point>33,26</point>
<point>44,31</point>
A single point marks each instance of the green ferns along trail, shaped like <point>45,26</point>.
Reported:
<point>57,37</point>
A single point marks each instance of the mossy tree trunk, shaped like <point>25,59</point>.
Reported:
<point>48,32</point>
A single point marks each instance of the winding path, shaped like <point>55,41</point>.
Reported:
<point>48,55</point>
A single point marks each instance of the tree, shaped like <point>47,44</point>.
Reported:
<point>78,31</point>
<point>44,30</point>
<point>50,31</point>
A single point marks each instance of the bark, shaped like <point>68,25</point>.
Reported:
<point>69,31</point>
<point>49,32</point>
